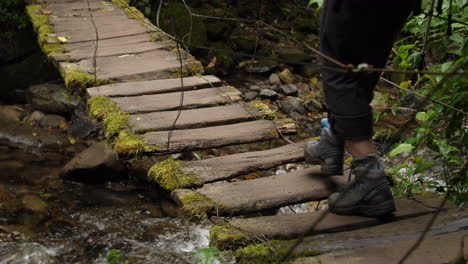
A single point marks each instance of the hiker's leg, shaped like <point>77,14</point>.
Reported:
<point>358,32</point>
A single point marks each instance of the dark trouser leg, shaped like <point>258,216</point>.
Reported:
<point>355,32</point>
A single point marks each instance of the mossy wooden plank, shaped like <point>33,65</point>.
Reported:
<point>226,167</point>
<point>193,118</point>
<point>294,225</point>
<point>444,248</point>
<point>212,137</point>
<point>153,86</point>
<point>171,101</point>
<point>450,221</point>
<point>143,66</point>
<point>271,192</point>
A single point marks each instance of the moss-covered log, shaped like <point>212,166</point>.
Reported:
<point>226,237</point>
<point>196,206</point>
<point>271,252</point>
<point>170,175</point>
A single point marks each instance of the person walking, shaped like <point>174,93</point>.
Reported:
<point>355,32</point>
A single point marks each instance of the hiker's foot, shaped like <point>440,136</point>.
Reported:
<point>328,151</point>
<point>369,195</point>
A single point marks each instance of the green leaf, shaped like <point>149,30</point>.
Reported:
<point>400,149</point>
<point>421,116</point>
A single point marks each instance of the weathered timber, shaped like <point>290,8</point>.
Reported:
<point>294,225</point>
<point>153,86</point>
<point>453,220</point>
<point>171,101</point>
<point>76,54</point>
<point>147,65</point>
<point>197,173</point>
<point>212,137</point>
<point>444,248</point>
<point>269,192</point>
<point>226,167</point>
<point>193,118</point>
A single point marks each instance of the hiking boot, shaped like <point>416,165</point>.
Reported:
<point>369,195</point>
<point>328,151</point>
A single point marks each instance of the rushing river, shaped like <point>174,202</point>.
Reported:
<point>44,220</point>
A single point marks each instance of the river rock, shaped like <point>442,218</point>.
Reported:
<point>25,253</point>
<point>251,95</point>
<point>289,89</point>
<point>8,201</point>
<point>291,105</point>
<point>52,121</point>
<point>12,112</point>
<point>303,87</point>
<point>51,98</point>
<point>98,163</point>
<point>255,88</point>
<point>293,55</point>
<point>286,76</point>
<point>82,129</point>
<point>275,79</point>
<point>269,94</point>
<point>35,117</point>
<point>313,105</point>
<point>34,203</point>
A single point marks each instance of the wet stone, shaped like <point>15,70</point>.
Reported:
<point>35,117</point>
<point>11,112</point>
<point>289,89</point>
<point>52,121</point>
<point>274,79</point>
<point>313,105</point>
<point>290,105</point>
<point>82,129</point>
<point>51,98</point>
<point>286,76</point>
<point>249,96</point>
<point>269,94</point>
<point>255,88</point>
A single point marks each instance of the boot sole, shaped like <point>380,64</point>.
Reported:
<point>377,210</point>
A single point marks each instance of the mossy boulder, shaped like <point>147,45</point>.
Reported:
<point>218,30</point>
<point>305,24</point>
<point>170,175</point>
<point>225,58</point>
<point>293,55</point>
<point>175,20</point>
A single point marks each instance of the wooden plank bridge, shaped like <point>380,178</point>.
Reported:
<point>131,75</point>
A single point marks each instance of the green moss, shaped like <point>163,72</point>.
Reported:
<point>41,25</point>
<point>100,106</point>
<point>169,175</point>
<point>77,81</point>
<point>179,72</point>
<point>114,123</point>
<point>197,206</point>
<point>129,144</point>
<point>226,237</point>
<point>271,253</point>
<point>265,110</point>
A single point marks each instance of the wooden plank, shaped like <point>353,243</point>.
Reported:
<point>120,50</point>
<point>193,118</point>
<point>454,220</point>
<point>143,66</point>
<point>294,225</point>
<point>153,86</point>
<point>171,101</point>
<point>444,248</point>
<point>232,198</point>
<point>226,167</point>
<point>212,137</point>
